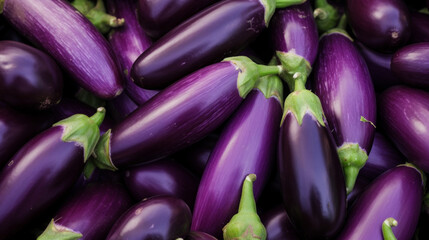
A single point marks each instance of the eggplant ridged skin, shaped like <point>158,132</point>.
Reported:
<point>29,78</point>
<point>396,193</point>
<point>311,177</point>
<point>177,117</point>
<point>381,25</point>
<point>160,217</point>
<point>278,225</point>
<point>38,174</point>
<point>419,27</point>
<point>71,40</point>
<point>403,114</point>
<point>411,64</point>
<point>294,29</point>
<point>246,145</point>
<point>209,36</point>
<point>343,84</point>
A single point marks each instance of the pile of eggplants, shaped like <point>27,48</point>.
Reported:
<point>214,119</point>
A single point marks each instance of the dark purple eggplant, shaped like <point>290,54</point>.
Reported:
<point>29,78</point>
<point>181,114</point>
<point>158,17</point>
<point>70,39</point>
<point>219,31</point>
<point>164,177</point>
<point>246,145</point>
<point>194,235</point>
<point>120,107</point>
<point>128,42</point>
<point>419,27</point>
<point>278,225</point>
<point>343,84</point>
<point>396,194</point>
<point>162,217</point>
<point>383,25</point>
<point>411,64</point>
<point>90,213</point>
<point>44,169</point>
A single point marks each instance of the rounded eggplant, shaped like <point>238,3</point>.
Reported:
<point>419,27</point>
<point>278,225</point>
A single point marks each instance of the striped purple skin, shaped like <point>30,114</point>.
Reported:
<point>343,84</point>
<point>71,40</point>
<point>278,225</point>
<point>194,235</point>
<point>396,193</point>
<point>128,42</point>
<point>39,173</point>
<point>419,27</point>
<point>411,64</point>
<point>404,113</point>
<point>293,29</point>
<point>246,145</point>
<point>120,107</point>
<point>178,116</point>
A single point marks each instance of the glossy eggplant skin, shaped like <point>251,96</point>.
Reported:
<point>39,173</point>
<point>194,235</point>
<point>163,177</point>
<point>419,27</point>
<point>411,64</point>
<point>404,112</point>
<point>120,107</point>
<point>71,40</point>
<point>294,28</point>
<point>177,117</point>
<point>381,25</point>
<point>396,193</point>
<point>246,145</point>
<point>128,42</point>
<point>307,154</point>
<point>278,224</point>
<point>343,84</point>
<point>29,78</point>
<point>162,217</point>
<point>209,36</point>
<point>158,17</point>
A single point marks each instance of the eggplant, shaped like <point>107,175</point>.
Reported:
<point>70,39</point>
<point>343,84</point>
<point>44,169</point>
<point>194,235</point>
<point>29,78</point>
<point>90,213</point>
<point>181,114</point>
<point>419,27</point>
<point>128,42</point>
<point>121,107</point>
<point>161,217</point>
<point>159,17</point>
<point>278,225</point>
<point>246,145</point>
<point>382,25</point>
<point>217,32</point>
<point>411,64</point>
<point>397,194</point>
<point>164,177</point>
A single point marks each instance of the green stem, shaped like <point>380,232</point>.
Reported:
<point>287,3</point>
<point>98,117</point>
<point>342,24</point>
<point>247,202</point>
<point>326,15</point>
<point>352,158</point>
<point>265,70</point>
<point>423,10</point>
<point>320,14</point>
<point>295,70</point>
<point>387,228</point>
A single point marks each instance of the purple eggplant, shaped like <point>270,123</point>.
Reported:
<point>181,114</point>
<point>162,217</point>
<point>70,39</point>
<point>90,213</point>
<point>278,225</point>
<point>128,42</point>
<point>397,194</point>
<point>383,25</point>
<point>411,64</point>
<point>195,235</point>
<point>164,177</point>
<point>343,84</point>
<point>29,78</point>
<point>158,17</point>
<point>219,31</point>
<point>120,107</point>
<point>419,27</point>
<point>44,169</point>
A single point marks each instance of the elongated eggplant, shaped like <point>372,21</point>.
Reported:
<point>70,39</point>
<point>419,27</point>
<point>411,64</point>
<point>343,84</point>
<point>396,194</point>
<point>162,217</point>
<point>381,25</point>
<point>44,169</point>
<point>29,78</point>
<point>246,145</point>
<point>278,225</point>
<point>120,107</point>
<point>90,213</point>
<point>181,114</point>
<point>195,235</point>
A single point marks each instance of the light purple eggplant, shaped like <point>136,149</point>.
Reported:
<point>343,84</point>
<point>278,225</point>
<point>70,39</point>
<point>120,107</point>
<point>419,27</point>
<point>397,194</point>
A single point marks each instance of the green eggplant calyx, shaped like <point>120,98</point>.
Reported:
<point>270,8</point>
<point>288,3</point>
<point>271,86</point>
<point>58,232</point>
<point>302,102</point>
<point>326,15</point>
<point>387,228</point>
<point>295,70</point>
<point>102,157</point>
<point>352,158</point>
